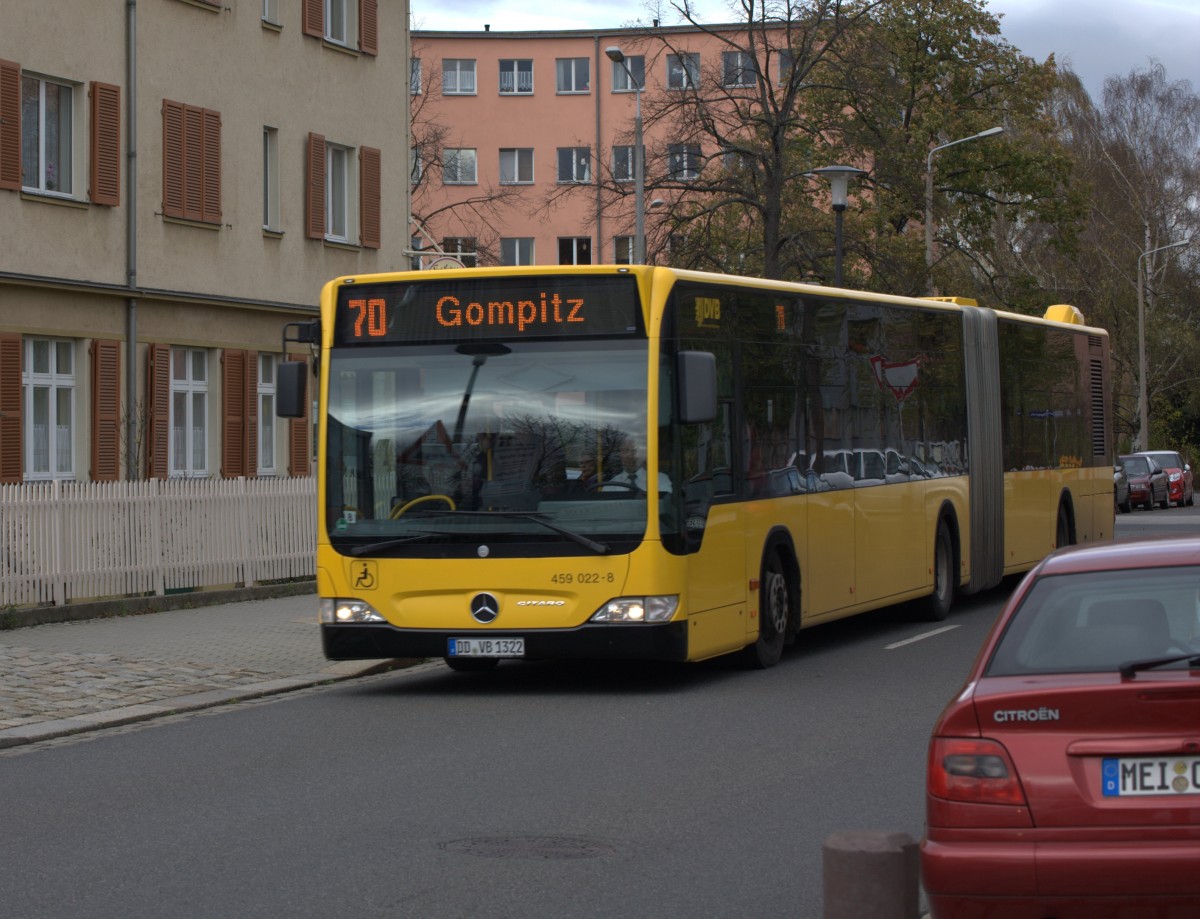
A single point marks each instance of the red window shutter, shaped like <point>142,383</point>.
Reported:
<point>158,410</point>
<point>251,414</point>
<point>233,418</point>
<point>299,464</point>
<point>193,163</point>
<point>210,203</point>
<point>368,27</point>
<point>106,410</point>
<point>312,19</point>
<point>368,196</point>
<point>10,126</point>
<point>106,144</point>
<point>315,210</point>
<point>173,195</point>
<point>11,398</point>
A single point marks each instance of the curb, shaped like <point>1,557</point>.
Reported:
<point>131,714</point>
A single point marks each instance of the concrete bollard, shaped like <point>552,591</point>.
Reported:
<point>871,874</point>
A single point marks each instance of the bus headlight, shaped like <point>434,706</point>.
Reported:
<point>337,611</point>
<point>637,609</point>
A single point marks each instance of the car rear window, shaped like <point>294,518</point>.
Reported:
<point>1096,621</point>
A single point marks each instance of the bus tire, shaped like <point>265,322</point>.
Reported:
<point>938,605</point>
<point>471,664</point>
<point>1062,529</point>
<point>774,615</point>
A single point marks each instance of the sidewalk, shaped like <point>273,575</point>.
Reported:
<point>69,677</point>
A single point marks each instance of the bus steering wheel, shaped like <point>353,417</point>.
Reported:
<point>401,508</point>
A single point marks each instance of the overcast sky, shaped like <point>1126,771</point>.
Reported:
<point>1096,37</point>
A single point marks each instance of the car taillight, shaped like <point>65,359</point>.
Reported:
<point>972,770</point>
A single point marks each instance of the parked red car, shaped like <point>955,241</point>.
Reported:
<point>1064,778</point>
<point>1148,485</point>
<point>1179,475</point>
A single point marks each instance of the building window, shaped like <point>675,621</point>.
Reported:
<point>683,161</point>
<point>516,250</point>
<point>458,166</point>
<point>575,250</point>
<point>49,389</point>
<point>341,21</point>
<point>516,77</point>
<point>191,162</point>
<point>574,164</point>
<point>516,166</point>
<point>623,250</point>
<point>266,414</point>
<point>339,197</point>
<point>270,178</point>
<point>620,79</point>
<point>683,71</point>
<point>270,11</point>
<point>414,76</point>
<point>458,77</point>
<point>416,165</point>
<point>787,63</point>
<point>737,68</point>
<point>189,412</point>
<point>622,163</point>
<point>47,109</point>
<point>574,74</point>
<point>462,248</point>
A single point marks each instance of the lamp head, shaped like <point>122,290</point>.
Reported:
<point>615,54</point>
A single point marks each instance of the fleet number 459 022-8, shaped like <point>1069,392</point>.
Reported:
<point>583,577</point>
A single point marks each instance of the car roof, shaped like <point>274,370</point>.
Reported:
<point>1147,552</point>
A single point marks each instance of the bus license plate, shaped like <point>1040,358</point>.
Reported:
<point>486,647</point>
<point>1150,775</point>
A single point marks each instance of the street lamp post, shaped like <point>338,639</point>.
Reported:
<point>839,183</point>
<point>929,197</point>
<point>617,56</point>
<point>1143,400</point>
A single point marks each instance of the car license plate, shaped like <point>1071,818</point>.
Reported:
<point>486,647</point>
<point>1151,775</point>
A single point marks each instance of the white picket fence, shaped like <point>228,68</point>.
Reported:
<point>64,542</point>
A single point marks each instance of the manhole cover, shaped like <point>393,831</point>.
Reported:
<point>534,847</point>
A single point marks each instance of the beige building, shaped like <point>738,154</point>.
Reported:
<point>178,178</point>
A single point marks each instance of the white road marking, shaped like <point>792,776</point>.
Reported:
<point>908,641</point>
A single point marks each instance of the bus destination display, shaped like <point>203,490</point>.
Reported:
<point>441,310</point>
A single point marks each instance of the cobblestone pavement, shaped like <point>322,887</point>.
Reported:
<point>75,676</point>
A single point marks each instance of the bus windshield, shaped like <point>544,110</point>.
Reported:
<point>504,449</point>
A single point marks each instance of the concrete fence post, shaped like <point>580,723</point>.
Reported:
<point>871,874</point>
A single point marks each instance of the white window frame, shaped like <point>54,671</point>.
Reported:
<point>341,193</point>
<point>266,433</point>
<point>575,245</point>
<point>51,456</point>
<point>512,68</point>
<point>623,165</point>
<point>270,11</point>
<point>463,248</point>
<point>458,76</point>
<point>683,70</point>
<point>580,171</point>
<point>739,65</point>
<point>188,445</point>
<point>456,174</point>
<point>271,179</point>
<point>567,74</point>
<point>621,83</point>
<point>623,250</point>
<point>416,165</point>
<point>414,76</point>
<point>341,22</point>
<point>47,179</point>
<point>516,250</point>
<point>516,166</point>
<point>684,162</point>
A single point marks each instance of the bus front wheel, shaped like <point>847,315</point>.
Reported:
<point>774,612</point>
<point>939,602</point>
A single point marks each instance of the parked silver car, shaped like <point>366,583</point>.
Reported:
<point>1148,484</point>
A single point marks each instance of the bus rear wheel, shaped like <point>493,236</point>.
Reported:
<point>774,613</point>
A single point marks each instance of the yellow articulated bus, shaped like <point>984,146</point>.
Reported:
<point>646,463</point>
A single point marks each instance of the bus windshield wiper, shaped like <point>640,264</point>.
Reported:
<point>1129,668</point>
<point>598,547</point>
<point>372,547</point>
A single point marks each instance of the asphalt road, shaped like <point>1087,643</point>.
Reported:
<point>535,791</point>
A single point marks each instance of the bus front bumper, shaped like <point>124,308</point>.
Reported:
<point>374,641</point>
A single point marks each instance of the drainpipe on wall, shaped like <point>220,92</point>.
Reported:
<point>598,252</point>
<point>131,432</point>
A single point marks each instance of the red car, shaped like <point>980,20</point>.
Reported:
<point>1179,475</point>
<point>1064,778</point>
<point>1148,484</point>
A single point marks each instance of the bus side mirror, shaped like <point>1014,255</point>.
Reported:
<point>697,375</point>
<point>291,389</point>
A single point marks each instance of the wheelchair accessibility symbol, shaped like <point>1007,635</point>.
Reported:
<point>365,575</point>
